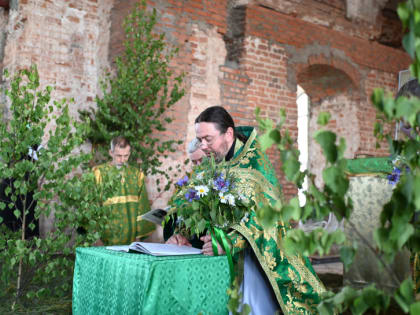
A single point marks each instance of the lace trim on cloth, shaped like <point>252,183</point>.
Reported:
<point>245,148</point>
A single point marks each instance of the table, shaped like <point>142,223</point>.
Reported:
<point>110,282</point>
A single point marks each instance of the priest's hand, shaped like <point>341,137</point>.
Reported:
<point>208,248</point>
<point>98,243</point>
<point>178,239</point>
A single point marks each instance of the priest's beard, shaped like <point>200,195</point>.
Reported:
<point>220,156</point>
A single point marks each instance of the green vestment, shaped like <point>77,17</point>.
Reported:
<point>294,282</point>
<point>129,201</point>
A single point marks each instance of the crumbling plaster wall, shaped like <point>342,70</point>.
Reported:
<point>68,40</point>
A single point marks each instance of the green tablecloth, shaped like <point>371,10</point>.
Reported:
<point>109,282</point>
<point>370,165</point>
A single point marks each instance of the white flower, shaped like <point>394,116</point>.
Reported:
<point>202,190</point>
<point>223,198</point>
<point>200,176</point>
<point>231,199</point>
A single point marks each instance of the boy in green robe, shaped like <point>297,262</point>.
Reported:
<point>129,200</point>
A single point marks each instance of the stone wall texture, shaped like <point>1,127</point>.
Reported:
<point>238,54</point>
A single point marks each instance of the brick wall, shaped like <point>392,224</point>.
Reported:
<point>4,18</point>
<point>68,40</point>
<point>248,55</point>
<point>239,56</point>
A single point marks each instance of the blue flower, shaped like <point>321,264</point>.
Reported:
<point>394,177</point>
<point>220,184</point>
<point>183,181</point>
<point>191,195</point>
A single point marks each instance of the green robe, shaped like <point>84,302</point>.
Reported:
<point>129,201</point>
<point>294,282</point>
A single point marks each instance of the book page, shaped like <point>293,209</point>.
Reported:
<point>158,249</point>
<point>119,248</point>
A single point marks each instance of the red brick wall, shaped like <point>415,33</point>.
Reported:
<point>267,53</point>
<point>176,22</point>
<point>68,40</point>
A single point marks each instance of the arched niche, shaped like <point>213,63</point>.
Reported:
<point>321,81</point>
<point>333,90</point>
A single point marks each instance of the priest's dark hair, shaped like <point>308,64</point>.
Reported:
<point>221,118</point>
<point>410,88</point>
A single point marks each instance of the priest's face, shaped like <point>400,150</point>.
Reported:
<point>213,142</point>
<point>120,155</point>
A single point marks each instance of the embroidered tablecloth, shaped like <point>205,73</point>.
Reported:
<point>110,282</point>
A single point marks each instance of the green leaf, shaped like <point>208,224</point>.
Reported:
<point>195,205</point>
<point>292,210</point>
<point>291,168</point>
<point>202,225</point>
<point>17,213</point>
<point>323,118</point>
<point>405,234</point>
<point>325,309</point>
<point>326,140</point>
<point>415,308</point>
<point>416,190</point>
<point>347,254</point>
<point>403,13</point>
<point>265,141</point>
<point>409,43</point>
<point>404,295</point>
<point>267,216</point>
<point>336,180</point>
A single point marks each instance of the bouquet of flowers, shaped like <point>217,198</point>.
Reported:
<point>210,199</point>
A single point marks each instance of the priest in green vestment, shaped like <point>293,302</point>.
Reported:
<point>129,200</point>
<point>271,279</point>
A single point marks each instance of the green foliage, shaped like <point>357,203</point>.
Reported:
<point>409,15</point>
<point>319,203</point>
<point>137,99</point>
<point>235,305</point>
<point>36,268</point>
<point>318,240</point>
<point>357,301</point>
<point>398,228</point>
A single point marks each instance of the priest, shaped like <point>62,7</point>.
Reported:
<point>271,280</point>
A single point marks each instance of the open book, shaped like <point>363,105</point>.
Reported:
<point>156,215</point>
<point>157,249</point>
